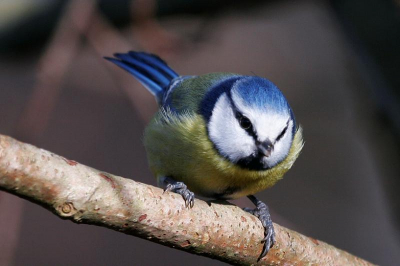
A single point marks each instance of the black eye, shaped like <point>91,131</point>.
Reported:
<point>245,122</point>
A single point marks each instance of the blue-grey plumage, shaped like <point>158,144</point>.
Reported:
<point>219,135</point>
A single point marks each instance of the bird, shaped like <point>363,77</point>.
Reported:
<point>217,135</point>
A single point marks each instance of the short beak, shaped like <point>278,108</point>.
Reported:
<point>266,147</point>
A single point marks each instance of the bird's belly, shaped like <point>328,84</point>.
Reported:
<point>205,180</point>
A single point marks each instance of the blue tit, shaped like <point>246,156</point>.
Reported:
<point>219,135</point>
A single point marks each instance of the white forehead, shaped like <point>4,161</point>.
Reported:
<point>267,121</point>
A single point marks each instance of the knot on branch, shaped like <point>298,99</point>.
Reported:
<point>66,209</point>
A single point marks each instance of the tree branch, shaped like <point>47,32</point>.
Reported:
<point>86,195</point>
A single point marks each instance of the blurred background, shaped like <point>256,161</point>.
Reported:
<point>337,62</point>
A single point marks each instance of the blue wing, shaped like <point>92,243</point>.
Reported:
<point>149,69</point>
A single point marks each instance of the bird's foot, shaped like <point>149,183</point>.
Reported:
<point>262,213</point>
<point>181,189</point>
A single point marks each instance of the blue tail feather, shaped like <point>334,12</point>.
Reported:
<point>156,62</point>
<point>152,72</point>
<point>149,69</point>
<point>153,87</point>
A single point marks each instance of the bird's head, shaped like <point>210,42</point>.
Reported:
<point>249,122</point>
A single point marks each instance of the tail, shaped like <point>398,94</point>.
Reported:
<point>149,69</point>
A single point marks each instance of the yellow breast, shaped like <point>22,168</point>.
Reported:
<point>178,146</point>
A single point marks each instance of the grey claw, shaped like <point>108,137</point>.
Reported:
<point>261,212</point>
<point>181,189</point>
<point>191,200</point>
<point>168,188</point>
<point>269,241</point>
<point>188,196</point>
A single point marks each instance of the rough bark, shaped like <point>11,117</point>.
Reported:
<point>217,230</point>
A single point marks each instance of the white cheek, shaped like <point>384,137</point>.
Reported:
<point>226,134</point>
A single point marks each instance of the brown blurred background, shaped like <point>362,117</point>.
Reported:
<point>337,62</point>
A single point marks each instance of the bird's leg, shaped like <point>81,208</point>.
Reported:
<point>261,212</point>
<point>180,188</point>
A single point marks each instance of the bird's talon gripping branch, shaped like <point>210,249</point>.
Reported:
<point>262,213</point>
<point>181,189</point>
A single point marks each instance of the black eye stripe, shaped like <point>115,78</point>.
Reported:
<point>250,130</point>
<point>243,121</point>
<point>283,132</point>
<point>248,127</point>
